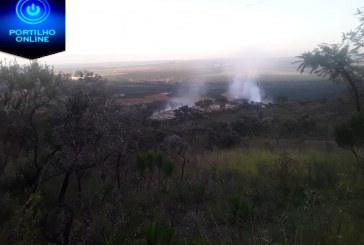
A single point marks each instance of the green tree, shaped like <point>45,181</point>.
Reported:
<point>355,37</point>
<point>339,62</point>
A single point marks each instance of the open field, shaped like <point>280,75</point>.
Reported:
<point>294,90</point>
<point>192,70</point>
<point>136,82</point>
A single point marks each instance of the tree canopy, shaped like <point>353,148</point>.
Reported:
<point>339,62</point>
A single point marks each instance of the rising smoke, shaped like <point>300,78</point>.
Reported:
<point>244,82</point>
<point>187,94</point>
<point>245,88</point>
<point>243,85</point>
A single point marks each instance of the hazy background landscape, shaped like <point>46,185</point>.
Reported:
<point>147,81</point>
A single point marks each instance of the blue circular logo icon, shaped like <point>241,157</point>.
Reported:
<point>33,11</point>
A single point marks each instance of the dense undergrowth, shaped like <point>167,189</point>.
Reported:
<point>77,168</point>
<point>258,197</point>
<point>237,196</point>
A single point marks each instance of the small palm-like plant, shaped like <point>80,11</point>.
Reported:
<point>151,161</point>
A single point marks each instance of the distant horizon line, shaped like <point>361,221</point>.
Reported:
<point>161,60</point>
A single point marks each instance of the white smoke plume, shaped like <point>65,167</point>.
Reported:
<point>187,95</point>
<point>245,88</point>
<point>244,83</point>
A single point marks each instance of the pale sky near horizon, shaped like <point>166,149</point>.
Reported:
<point>126,30</point>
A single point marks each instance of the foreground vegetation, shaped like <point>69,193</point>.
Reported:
<point>77,168</point>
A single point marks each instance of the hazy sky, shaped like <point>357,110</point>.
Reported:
<point>123,30</point>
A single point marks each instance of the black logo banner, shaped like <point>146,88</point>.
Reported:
<point>32,28</point>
